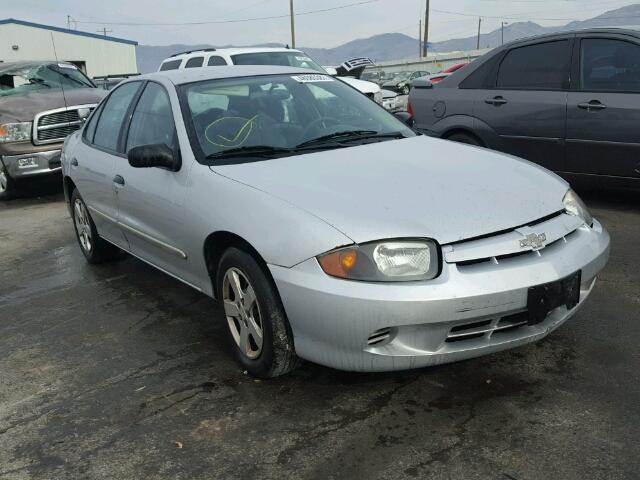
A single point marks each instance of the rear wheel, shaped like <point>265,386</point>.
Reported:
<point>261,337</point>
<point>7,184</point>
<point>464,138</point>
<point>94,248</point>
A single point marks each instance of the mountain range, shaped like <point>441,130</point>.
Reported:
<point>397,46</point>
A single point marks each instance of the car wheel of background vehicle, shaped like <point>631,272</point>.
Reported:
<point>405,90</point>
<point>94,248</point>
<point>7,185</point>
<point>464,138</point>
<point>261,336</point>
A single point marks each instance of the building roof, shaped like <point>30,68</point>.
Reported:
<point>65,30</point>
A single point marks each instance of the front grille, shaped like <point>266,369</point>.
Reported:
<point>55,125</point>
<point>556,230</point>
<point>487,328</point>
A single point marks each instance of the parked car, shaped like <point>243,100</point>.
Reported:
<point>107,82</point>
<point>40,104</point>
<point>390,100</point>
<point>569,102</point>
<point>401,81</point>
<point>262,56</point>
<point>328,230</point>
<point>438,77</point>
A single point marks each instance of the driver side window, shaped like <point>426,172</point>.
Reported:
<point>152,121</point>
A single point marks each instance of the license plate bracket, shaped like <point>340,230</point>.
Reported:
<point>541,299</point>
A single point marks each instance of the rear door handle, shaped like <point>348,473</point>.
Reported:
<point>118,179</point>
<point>74,162</point>
<point>496,101</point>
<point>592,105</point>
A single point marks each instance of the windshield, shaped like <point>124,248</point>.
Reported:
<point>282,112</point>
<point>28,78</point>
<point>402,76</point>
<point>290,59</point>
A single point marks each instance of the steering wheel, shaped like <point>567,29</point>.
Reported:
<point>324,121</point>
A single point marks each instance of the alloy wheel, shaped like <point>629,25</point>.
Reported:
<point>83,227</point>
<point>242,310</point>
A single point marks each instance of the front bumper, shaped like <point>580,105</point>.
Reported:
<point>33,164</point>
<point>334,321</point>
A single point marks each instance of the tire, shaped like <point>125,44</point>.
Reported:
<point>95,249</point>
<point>405,90</point>
<point>255,309</point>
<point>464,138</point>
<point>7,184</point>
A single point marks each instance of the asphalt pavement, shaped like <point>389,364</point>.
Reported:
<point>119,371</point>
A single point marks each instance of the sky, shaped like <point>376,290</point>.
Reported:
<point>449,18</point>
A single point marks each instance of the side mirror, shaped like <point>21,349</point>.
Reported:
<point>158,155</point>
<point>331,71</point>
<point>406,118</point>
<point>421,83</point>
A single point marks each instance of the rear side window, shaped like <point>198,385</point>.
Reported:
<point>215,61</point>
<point>90,129</point>
<point>609,65</point>
<point>194,62</point>
<point>170,65</point>
<point>152,121</point>
<point>544,66</point>
<point>113,113</point>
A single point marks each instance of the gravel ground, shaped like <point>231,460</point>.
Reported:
<point>119,371</point>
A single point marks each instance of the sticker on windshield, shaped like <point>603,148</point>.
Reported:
<point>67,65</point>
<point>307,78</point>
<point>303,59</point>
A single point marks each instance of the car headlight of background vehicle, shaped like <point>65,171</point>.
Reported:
<point>15,132</point>
<point>384,261</point>
<point>573,205</point>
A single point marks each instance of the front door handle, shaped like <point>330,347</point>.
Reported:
<point>592,105</point>
<point>74,162</point>
<point>496,101</point>
<point>118,179</point>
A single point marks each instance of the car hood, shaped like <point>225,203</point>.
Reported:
<point>415,187</point>
<point>22,108</point>
<point>394,83</point>
<point>361,85</point>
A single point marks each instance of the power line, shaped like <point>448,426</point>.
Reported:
<point>240,20</point>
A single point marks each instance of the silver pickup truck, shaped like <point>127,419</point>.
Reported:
<point>40,104</point>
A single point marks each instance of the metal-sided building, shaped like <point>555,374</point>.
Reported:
<point>95,54</point>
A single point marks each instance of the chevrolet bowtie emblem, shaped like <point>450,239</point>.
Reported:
<point>533,240</point>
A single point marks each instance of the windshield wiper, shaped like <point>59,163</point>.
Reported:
<point>337,136</point>
<point>349,136</point>
<point>251,151</point>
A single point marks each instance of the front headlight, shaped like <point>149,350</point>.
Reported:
<point>573,205</point>
<point>15,132</point>
<point>384,261</point>
<point>377,97</point>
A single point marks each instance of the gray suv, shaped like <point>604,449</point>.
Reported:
<point>569,102</point>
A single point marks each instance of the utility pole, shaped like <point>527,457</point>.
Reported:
<point>293,25</point>
<point>479,25</point>
<point>420,38</point>
<point>104,31</point>
<point>426,30</point>
<point>503,24</point>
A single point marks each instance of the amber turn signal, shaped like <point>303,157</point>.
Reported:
<point>339,263</point>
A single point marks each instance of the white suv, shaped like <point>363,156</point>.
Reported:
<point>212,57</point>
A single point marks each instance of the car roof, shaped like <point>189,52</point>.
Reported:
<point>610,30</point>
<point>229,51</point>
<point>189,75</point>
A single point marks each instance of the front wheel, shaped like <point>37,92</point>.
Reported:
<point>405,90</point>
<point>261,336</point>
<point>94,248</point>
<point>7,185</point>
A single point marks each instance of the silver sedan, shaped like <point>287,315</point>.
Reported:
<point>329,230</point>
